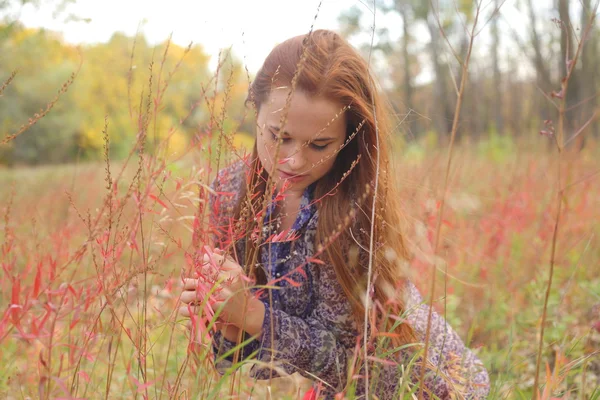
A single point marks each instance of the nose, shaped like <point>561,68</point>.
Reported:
<point>296,161</point>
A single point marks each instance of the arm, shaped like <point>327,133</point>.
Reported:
<point>222,345</point>
<point>452,367</point>
<point>319,345</point>
<point>322,345</point>
<point>226,187</point>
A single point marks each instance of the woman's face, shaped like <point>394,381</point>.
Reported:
<point>314,130</point>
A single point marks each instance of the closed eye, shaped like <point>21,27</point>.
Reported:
<point>276,137</point>
<point>317,147</point>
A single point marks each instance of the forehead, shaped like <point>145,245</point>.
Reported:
<point>306,115</point>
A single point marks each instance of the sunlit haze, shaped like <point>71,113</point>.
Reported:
<point>250,28</point>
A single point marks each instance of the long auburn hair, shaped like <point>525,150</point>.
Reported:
<point>322,63</point>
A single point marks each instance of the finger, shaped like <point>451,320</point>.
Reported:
<point>208,267</point>
<point>187,311</point>
<point>216,326</point>
<point>218,307</point>
<point>223,263</point>
<point>190,284</point>
<point>189,296</point>
<point>212,259</point>
<point>223,294</point>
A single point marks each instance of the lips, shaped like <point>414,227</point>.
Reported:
<point>288,175</point>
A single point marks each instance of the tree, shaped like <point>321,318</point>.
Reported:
<point>497,102</point>
<point>567,48</point>
<point>113,81</point>
<point>404,12</point>
<point>589,70</point>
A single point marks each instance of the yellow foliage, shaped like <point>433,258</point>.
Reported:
<point>174,89</point>
<point>176,145</point>
<point>243,141</point>
<point>91,139</point>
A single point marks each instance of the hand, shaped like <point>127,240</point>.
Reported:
<point>192,296</point>
<point>238,308</point>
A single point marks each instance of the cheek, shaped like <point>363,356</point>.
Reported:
<point>265,152</point>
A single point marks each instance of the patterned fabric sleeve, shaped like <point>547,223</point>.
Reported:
<point>454,371</point>
<point>222,346</point>
<point>318,346</point>
<point>322,345</point>
<point>226,189</point>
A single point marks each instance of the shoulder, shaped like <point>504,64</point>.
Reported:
<point>228,184</point>
<point>412,295</point>
<point>231,177</point>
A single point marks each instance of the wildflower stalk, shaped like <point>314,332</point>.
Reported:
<point>42,113</point>
<point>560,195</point>
<point>459,100</point>
<point>7,82</point>
<point>372,232</point>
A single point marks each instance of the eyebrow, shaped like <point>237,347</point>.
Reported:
<point>319,139</point>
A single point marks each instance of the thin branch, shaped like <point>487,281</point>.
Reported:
<point>587,123</point>
<point>373,209</point>
<point>550,99</point>
<point>441,30</point>
<point>495,14</point>
<point>585,178</point>
<point>560,197</point>
<point>8,81</point>
<point>583,101</point>
<point>463,83</point>
<point>42,113</point>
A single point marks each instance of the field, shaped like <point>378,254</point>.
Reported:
<point>90,276</point>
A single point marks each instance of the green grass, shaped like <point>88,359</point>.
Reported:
<point>496,243</point>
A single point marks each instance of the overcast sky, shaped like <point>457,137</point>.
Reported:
<point>250,27</point>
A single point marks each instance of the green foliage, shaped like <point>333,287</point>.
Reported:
<point>497,148</point>
<point>112,81</point>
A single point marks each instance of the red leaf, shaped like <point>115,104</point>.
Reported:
<point>315,261</point>
<point>73,323</point>
<point>382,361</point>
<point>228,194</point>
<point>38,280</point>
<point>292,282</point>
<point>84,375</point>
<point>302,271</point>
<point>157,200</point>
<point>141,387</point>
<point>16,289</point>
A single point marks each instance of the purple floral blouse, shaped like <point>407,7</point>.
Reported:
<point>309,326</point>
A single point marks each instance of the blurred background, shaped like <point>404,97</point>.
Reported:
<point>518,60</point>
<point>115,116</point>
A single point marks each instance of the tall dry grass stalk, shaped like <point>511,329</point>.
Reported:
<point>84,301</point>
<point>464,63</point>
<point>561,196</point>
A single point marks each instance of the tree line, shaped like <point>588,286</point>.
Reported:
<point>112,81</point>
<point>515,74</point>
<point>516,69</point>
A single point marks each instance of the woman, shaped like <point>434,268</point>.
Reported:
<point>294,223</point>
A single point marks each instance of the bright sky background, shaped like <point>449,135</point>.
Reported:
<point>251,27</point>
